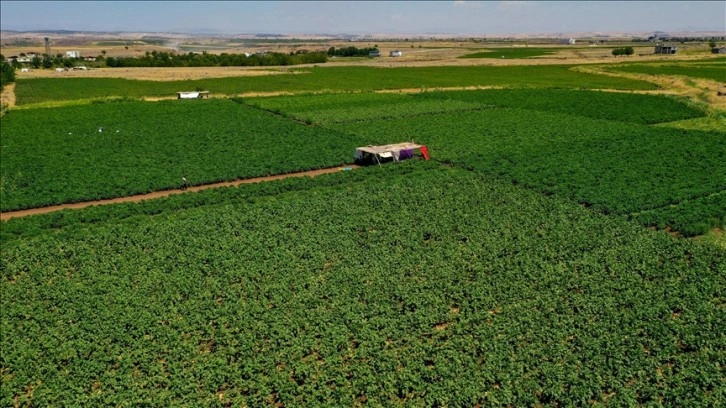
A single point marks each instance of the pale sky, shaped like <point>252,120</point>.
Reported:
<point>485,18</point>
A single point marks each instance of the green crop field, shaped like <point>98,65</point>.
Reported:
<point>614,167</point>
<point>514,268</point>
<point>589,146</point>
<point>512,53</point>
<point>380,291</point>
<point>326,109</point>
<point>314,79</point>
<point>337,108</point>
<point>556,141</point>
<point>54,156</point>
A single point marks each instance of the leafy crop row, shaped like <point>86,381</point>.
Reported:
<point>60,221</point>
<point>693,217</point>
<point>78,153</point>
<point>624,107</point>
<point>379,292</point>
<point>327,109</point>
<point>338,108</point>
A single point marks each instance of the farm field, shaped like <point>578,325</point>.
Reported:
<point>512,53</point>
<point>319,79</point>
<point>121,148</point>
<point>713,69</point>
<point>380,290</point>
<point>328,109</point>
<point>337,108</point>
<point>555,141</point>
<point>542,251</point>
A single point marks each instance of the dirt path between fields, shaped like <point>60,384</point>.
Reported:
<point>165,193</point>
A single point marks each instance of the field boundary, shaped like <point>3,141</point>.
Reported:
<point>4,216</point>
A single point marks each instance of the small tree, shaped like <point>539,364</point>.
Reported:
<point>623,51</point>
<point>712,44</point>
<point>7,72</point>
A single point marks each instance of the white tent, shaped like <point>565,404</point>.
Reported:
<point>391,152</point>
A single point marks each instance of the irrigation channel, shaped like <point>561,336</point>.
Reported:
<point>165,193</point>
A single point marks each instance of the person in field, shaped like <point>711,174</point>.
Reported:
<point>184,183</point>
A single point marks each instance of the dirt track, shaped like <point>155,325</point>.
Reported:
<point>165,193</point>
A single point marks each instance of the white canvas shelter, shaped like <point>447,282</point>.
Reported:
<point>395,152</point>
<point>192,95</point>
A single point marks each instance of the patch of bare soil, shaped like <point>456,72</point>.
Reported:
<point>165,193</point>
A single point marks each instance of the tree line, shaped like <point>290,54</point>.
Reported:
<point>170,59</point>
<point>350,52</point>
<point>48,62</point>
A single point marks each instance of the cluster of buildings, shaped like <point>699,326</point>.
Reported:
<point>29,56</point>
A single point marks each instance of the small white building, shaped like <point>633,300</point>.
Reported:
<point>73,54</point>
<point>570,41</point>
<point>395,53</point>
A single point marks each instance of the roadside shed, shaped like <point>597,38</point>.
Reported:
<point>387,153</point>
<point>665,49</point>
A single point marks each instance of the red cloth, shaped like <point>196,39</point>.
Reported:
<point>425,152</point>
